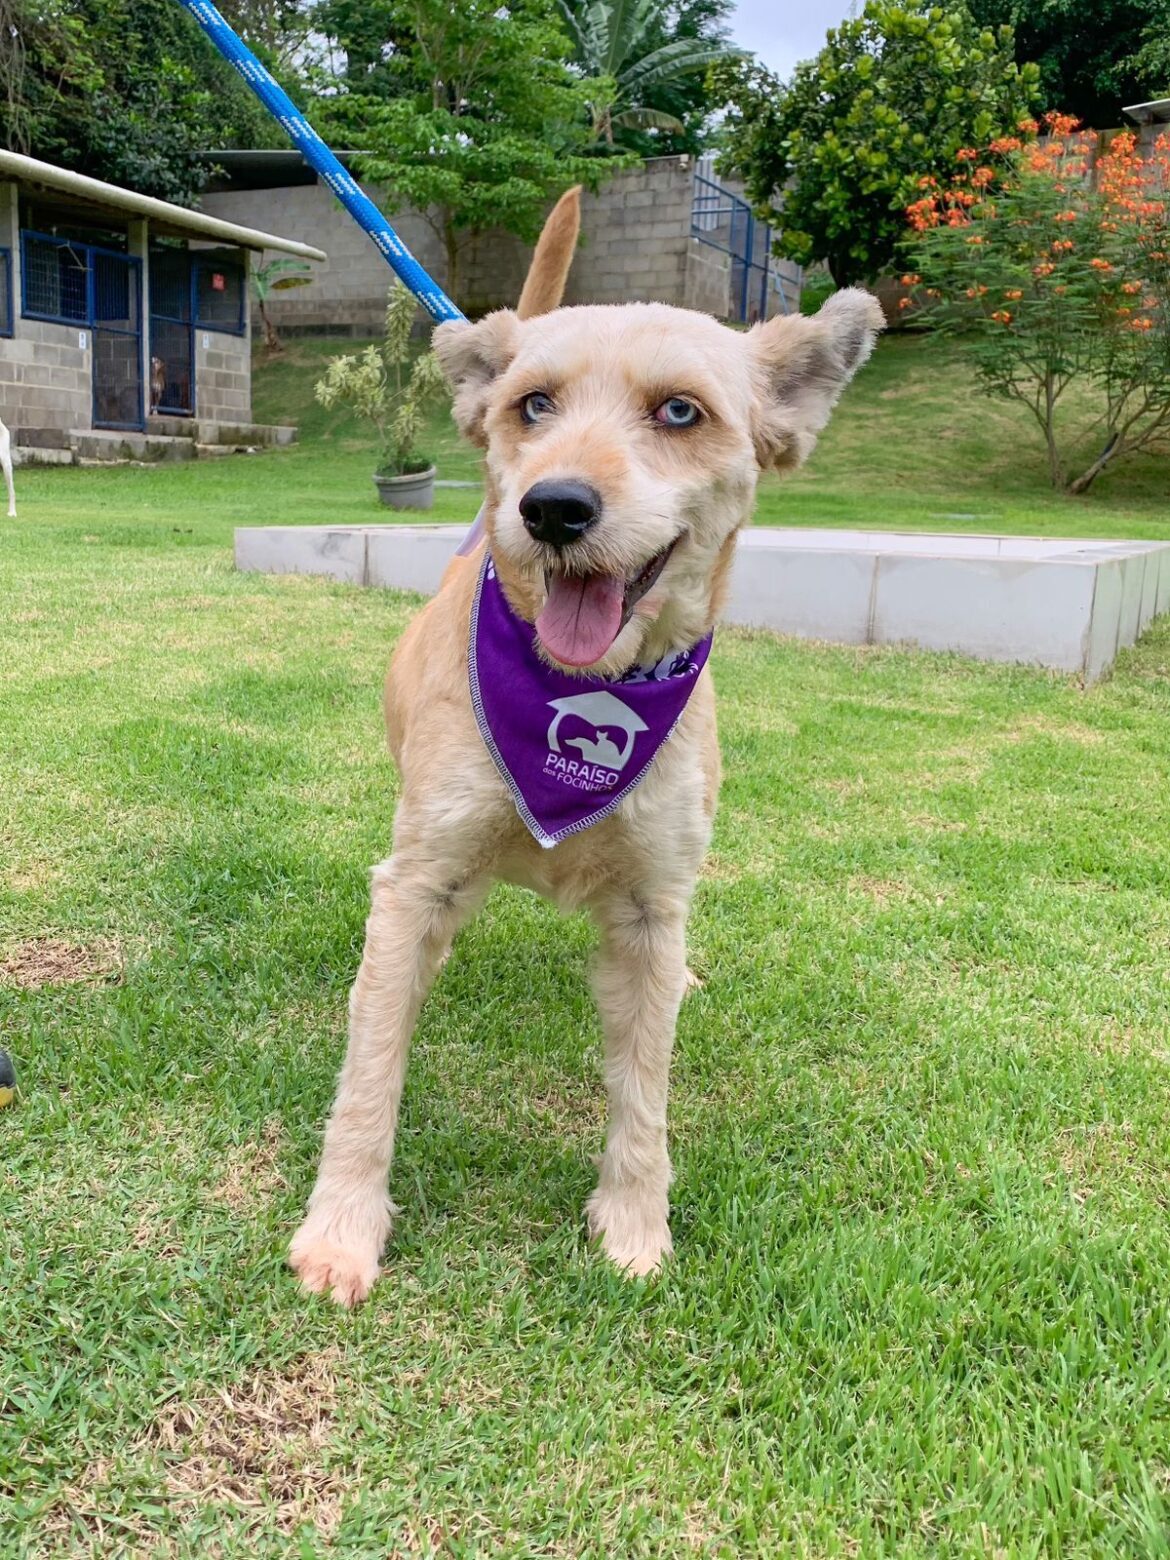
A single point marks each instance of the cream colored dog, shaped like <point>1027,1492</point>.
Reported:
<point>6,467</point>
<point>642,430</point>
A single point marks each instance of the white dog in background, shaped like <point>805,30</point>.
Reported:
<point>6,463</point>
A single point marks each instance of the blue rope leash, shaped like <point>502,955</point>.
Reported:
<point>313,149</point>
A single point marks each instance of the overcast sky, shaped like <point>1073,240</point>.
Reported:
<point>784,31</point>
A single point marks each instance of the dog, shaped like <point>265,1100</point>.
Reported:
<point>158,382</point>
<point>6,465</point>
<point>622,449</point>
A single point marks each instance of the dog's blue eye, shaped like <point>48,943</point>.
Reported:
<point>535,406</point>
<point>678,412</point>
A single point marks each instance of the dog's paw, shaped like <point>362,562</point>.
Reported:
<point>350,1275</point>
<point>632,1229</point>
<point>334,1256</point>
<point>691,982</point>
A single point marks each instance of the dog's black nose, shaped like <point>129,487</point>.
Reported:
<point>559,512</point>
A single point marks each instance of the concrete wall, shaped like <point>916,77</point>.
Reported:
<point>636,244</point>
<point>223,377</point>
<point>46,377</point>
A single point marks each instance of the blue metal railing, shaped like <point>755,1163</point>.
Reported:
<point>724,221</point>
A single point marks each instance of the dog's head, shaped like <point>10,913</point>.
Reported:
<point>624,444</point>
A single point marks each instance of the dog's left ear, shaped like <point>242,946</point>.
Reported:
<point>802,364</point>
<point>472,356</point>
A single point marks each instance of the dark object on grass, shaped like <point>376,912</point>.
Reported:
<point>7,1080</point>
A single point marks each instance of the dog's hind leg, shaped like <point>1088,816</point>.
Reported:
<point>639,983</point>
<point>415,912</point>
<point>6,462</point>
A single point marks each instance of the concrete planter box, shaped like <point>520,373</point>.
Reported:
<point>413,490</point>
<point>1068,605</point>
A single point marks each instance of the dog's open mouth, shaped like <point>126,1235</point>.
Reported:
<point>584,613</point>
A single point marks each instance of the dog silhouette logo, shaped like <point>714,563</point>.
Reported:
<point>609,718</point>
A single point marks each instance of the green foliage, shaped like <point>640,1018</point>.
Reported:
<point>639,57</point>
<point>1094,56</point>
<point>277,276</point>
<point>125,93</point>
<point>488,122</point>
<point>386,390</point>
<point>1058,281</point>
<point>893,94</point>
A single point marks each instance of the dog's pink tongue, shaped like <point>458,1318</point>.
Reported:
<point>582,617</point>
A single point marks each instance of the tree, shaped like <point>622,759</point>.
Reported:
<point>126,93</point>
<point>831,160</point>
<point>488,122</point>
<point>276,276</point>
<point>1093,58</point>
<point>636,55</point>
<point>1058,283</point>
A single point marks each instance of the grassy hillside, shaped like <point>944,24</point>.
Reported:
<point>912,446</point>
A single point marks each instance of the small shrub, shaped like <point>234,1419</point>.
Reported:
<point>383,388</point>
<point>1054,264</point>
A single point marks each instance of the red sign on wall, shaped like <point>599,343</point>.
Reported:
<point>218,281</point>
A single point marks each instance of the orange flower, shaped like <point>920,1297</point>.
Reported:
<point>1045,268</point>
<point>1002,317</point>
<point>1028,126</point>
<point>1131,287</point>
<point>1100,265</point>
<point>905,303</point>
<point>911,279</point>
<point>982,177</point>
<point>967,154</point>
<point>1062,246</point>
<point>975,238</point>
<point>1143,322</point>
<point>1066,216</point>
<point>1005,143</point>
<point>1014,293</point>
<point>976,292</point>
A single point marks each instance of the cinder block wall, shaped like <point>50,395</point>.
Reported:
<point>636,244</point>
<point>223,377</point>
<point>46,378</point>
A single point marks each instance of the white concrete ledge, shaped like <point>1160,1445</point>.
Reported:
<point>1069,605</point>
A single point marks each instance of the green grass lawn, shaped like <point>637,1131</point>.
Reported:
<point>912,447</point>
<point>920,1117</point>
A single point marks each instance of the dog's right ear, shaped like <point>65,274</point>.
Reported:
<point>472,356</point>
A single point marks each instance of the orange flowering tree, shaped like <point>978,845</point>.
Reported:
<point>1051,256</point>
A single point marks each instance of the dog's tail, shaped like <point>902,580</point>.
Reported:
<point>544,286</point>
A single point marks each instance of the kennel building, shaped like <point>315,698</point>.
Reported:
<point>122,318</point>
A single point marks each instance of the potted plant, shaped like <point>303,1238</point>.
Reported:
<point>383,387</point>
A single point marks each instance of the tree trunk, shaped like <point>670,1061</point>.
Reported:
<point>1084,482</point>
<point>451,245</point>
<point>272,341</point>
<point>1055,469</point>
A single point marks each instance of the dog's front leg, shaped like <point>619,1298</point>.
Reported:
<point>415,911</point>
<point>641,976</point>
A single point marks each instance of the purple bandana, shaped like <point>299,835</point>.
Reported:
<point>568,748</point>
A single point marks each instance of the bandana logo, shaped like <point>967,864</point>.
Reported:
<point>606,715</point>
